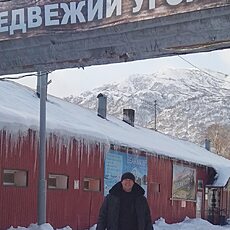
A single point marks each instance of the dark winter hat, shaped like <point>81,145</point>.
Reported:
<point>128,175</point>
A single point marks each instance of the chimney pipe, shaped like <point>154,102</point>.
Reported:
<point>102,105</point>
<point>129,116</point>
<point>207,144</point>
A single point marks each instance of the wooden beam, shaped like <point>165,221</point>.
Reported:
<point>197,31</point>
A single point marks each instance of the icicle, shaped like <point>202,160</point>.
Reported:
<point>78,153</point>
<point>11,145</point>
<point>59,150</point>
<point>67,152</point>
<point>1,141</point>
<point>103,151</point>
<point>93,150</point>
<point>56,149</point>
<point>30,133</point>
<point>13,142</point>
<point>81,150</point>
<point>19,145</point>
<point>48,145</point>
<point>35,148</point>
<point>71,148</point>
<point>4,144</point>
<point>7,143</point>
<point>88,152</point>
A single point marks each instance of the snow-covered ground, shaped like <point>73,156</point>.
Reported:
<point>187,224</point>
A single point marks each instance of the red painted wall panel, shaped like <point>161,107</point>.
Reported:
<point>74,207</point>
<point>64,207</point>
<point>18,203</point>
<point>77,160</point>
<point>161,171</point>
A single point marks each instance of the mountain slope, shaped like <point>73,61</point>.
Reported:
<point>188,101</point>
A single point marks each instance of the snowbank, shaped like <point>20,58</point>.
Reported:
<point>187,224</point>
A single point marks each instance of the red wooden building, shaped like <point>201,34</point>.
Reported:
<point>86,155</point>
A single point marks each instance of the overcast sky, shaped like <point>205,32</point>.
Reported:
<point>74,81</point>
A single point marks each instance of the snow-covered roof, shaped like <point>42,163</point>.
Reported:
<point>19,109</point>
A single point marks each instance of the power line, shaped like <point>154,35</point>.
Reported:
<point>202,69</point>
<point>190,63</point>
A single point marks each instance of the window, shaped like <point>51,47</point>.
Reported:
<point>12,177</point>
<point>200,184</point>
<point>56,181</point>
<point>91,184</point>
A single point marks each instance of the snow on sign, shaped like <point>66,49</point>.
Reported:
<point>38,17</point>
<point>56,34</point>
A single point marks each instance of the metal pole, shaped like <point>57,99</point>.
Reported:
<point>42,151</point>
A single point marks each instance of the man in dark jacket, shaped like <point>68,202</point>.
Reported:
<point>125,207</point>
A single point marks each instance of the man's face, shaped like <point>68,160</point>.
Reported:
<point>127,185</point>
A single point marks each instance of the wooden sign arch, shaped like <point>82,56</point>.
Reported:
<point>56,34</point>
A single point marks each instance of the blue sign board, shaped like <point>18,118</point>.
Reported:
<point>117,163</point>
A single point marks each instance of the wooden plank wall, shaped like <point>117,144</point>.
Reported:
<point>161,203</point>
<point>74,207</point>
<point>18,203</point>
<point>77,160</point>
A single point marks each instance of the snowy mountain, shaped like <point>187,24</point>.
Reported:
<point>188,100</point>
